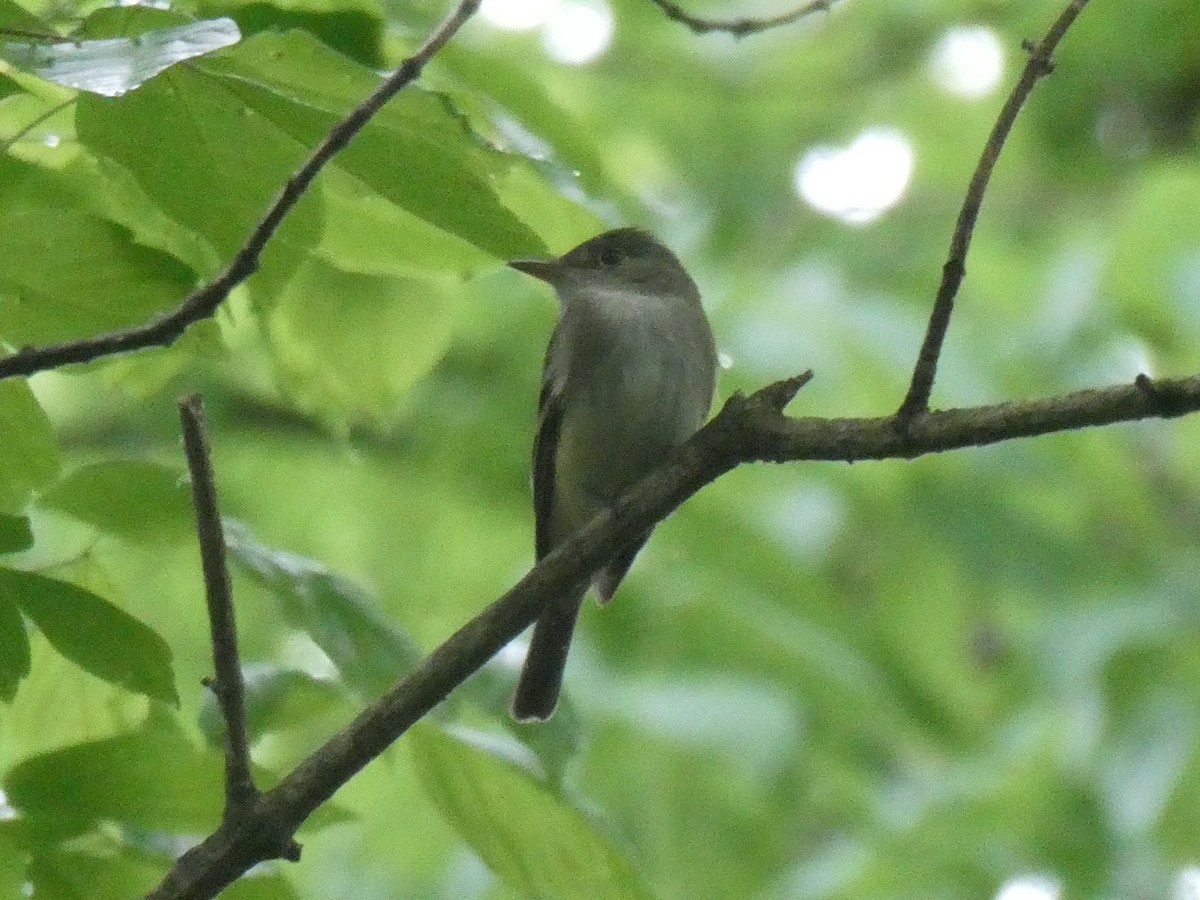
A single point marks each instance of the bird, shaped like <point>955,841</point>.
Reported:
<point>629,375</point>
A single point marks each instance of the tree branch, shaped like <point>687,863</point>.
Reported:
<point>203,302</point>
<point>227,684</point>
<point>747,429</point>
<point>739,27</point>
<point>916,401</point>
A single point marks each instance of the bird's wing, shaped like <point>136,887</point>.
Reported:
<point>545,449</point>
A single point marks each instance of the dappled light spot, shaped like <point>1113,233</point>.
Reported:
<point>578,32</point>
<point>856,183</point>
<point>1187,884</point>
<point>518,15</point>
<point>968,61</point>
<point>1030,887</point>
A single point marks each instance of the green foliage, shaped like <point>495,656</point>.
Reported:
<point>534,839</point>
<point>901,680</point>
<point>89,631</point>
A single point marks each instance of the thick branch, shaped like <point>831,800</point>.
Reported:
<point>227,684</point>
<point>1039,64</point>
<point>739,27</point>
<point>746,430</point>
<point>203,302</point>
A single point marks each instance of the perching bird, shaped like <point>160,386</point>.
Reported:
<point>629,376</point>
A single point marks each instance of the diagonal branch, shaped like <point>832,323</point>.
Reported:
<point>203,302</point>
<point>739,27</point>
<point>747,429</point>
<point>916,401</point>
<point>227,685</point>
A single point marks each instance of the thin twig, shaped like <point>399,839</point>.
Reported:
<point>48,114</point>
<point>203,302</point>
<point>916,401</point>
<point>227,685</point>
<point>739,27</point>
<point>747,429</point>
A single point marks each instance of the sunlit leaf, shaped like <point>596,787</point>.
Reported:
<point>152,778</point>
<point>94,634</point>
<point>30,449</point>
<point>534,840</point>
<point>111,873</point>
<point>98,280</point>
<point>321,352</point>
<point>137,500</point>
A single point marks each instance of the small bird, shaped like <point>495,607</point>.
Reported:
<point>629,375</point>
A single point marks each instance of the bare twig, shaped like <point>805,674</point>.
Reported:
<point>916,401</point>
<point>747,429</point>
<point>227,685</point>
<point>739,27</point>
<point>203,302</point>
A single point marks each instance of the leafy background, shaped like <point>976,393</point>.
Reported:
<point>904,679</point>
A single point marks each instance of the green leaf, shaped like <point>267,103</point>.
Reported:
<point>110,66</point>
<point>133,499</point>
<point>417,152</point>
<point>318,327</point>
<point>14,649</point>
<point>68,273</point>
<point>14,17</point>
<point>536,842</point>
<point>111,873</point>
<point>212,185</point>
<point>27,443</point>
<point>94,634</point>
<point>368,648</point>
<point>260,886</point>
<point>152,778</point>
<point>15,533</point>
<point>276,699</point>
<point>14,858</point>
<point>356,28</point>
<point>8,87</point>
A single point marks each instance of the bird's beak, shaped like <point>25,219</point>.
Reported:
<point>546,269</point>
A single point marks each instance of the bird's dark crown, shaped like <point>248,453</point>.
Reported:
<point>620,246</point>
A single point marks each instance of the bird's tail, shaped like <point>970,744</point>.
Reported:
<point>542,674</point>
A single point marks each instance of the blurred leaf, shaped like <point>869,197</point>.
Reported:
<point>76,874</point>
<point>13,860</point>
<point>112,66</point>
<point>321,352</point>
<point>14,17</point>
<point>15,534</point>
<point>369,649</point>
<point>152,778</point>
<point>1148,275</point>
<point>8,86</point>
<point>94,634</point>
<point>14,648</point>
<point>276,699</point>
<point>264,886</point>
<point>133,499</point>
<point>537,843</point>
<point>30,450</point>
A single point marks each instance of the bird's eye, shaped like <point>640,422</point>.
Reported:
<point>610,256</point>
